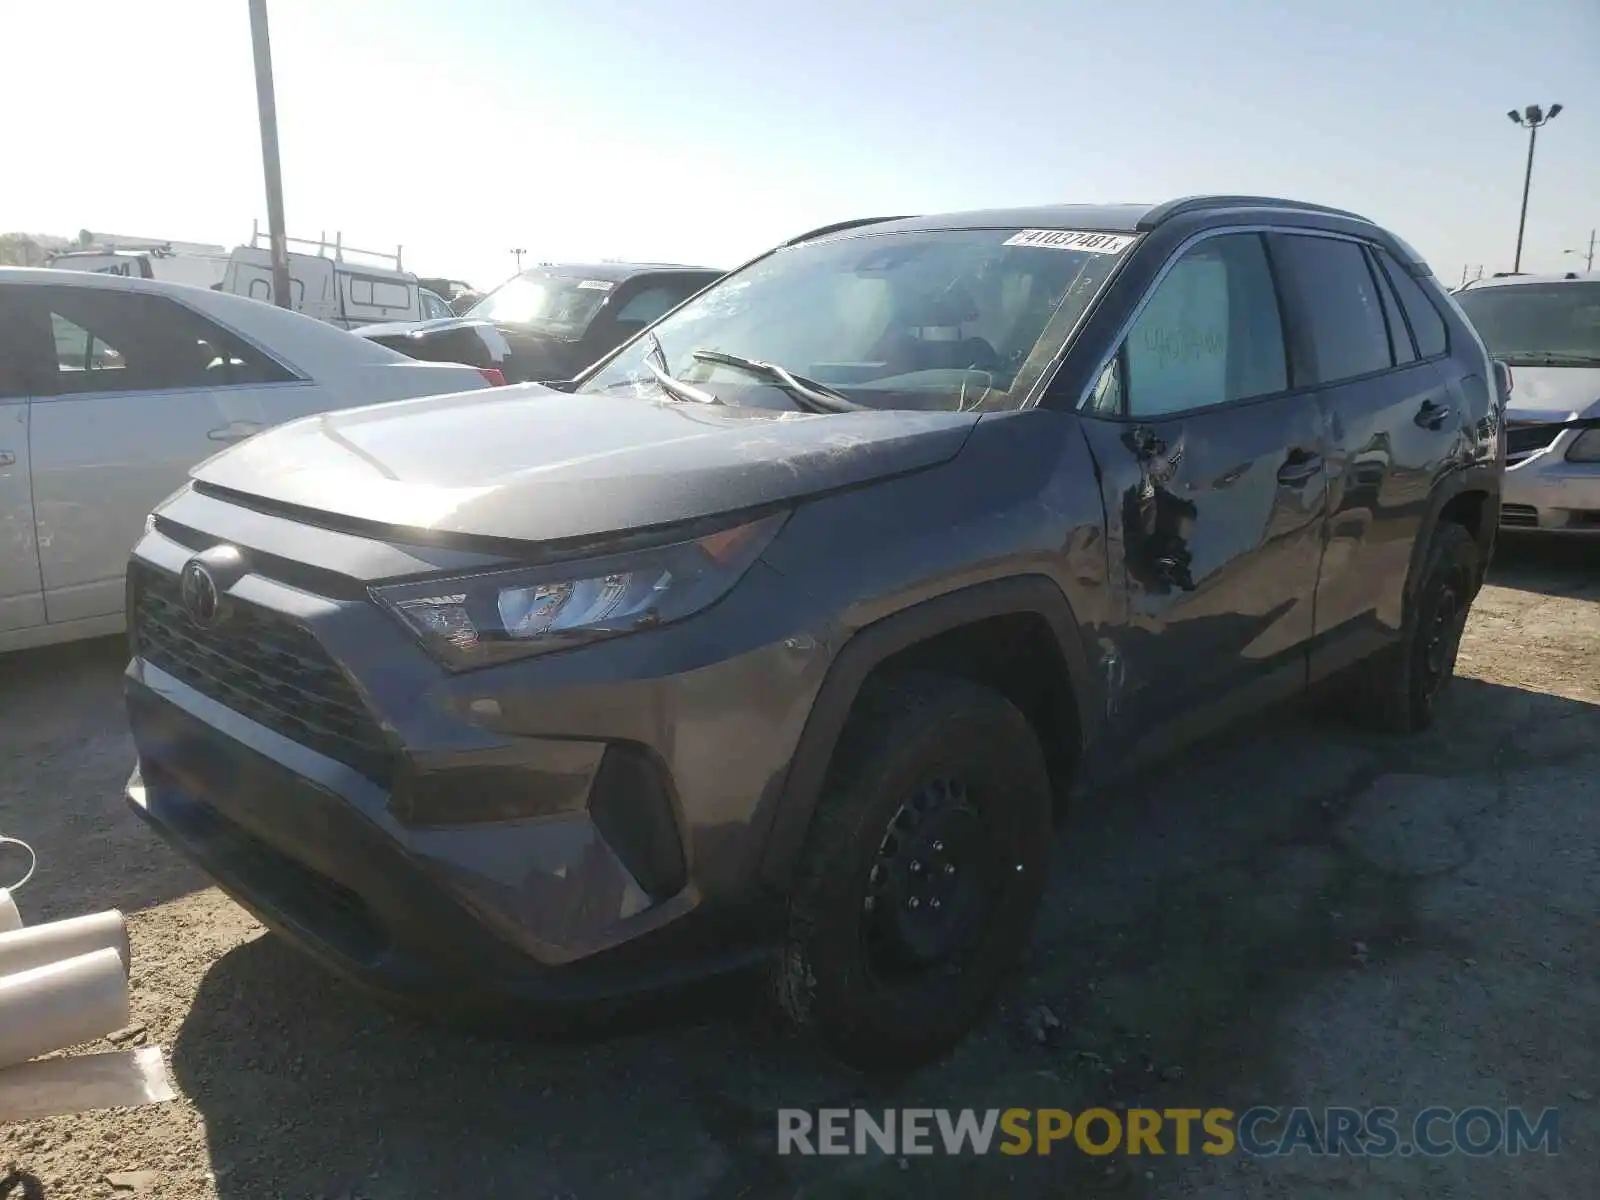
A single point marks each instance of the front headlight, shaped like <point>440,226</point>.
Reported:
<point>1587,448</point>
<point>469,621</point>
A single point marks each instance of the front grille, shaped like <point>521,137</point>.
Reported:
<point>1524,516</point>
<point>263,666</point>
<point>1524,440</point>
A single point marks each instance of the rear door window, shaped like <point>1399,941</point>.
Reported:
<point>120,341</point>
<point>1348,334</point>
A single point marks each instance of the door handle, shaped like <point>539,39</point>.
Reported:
<point>1431,415</point>
<point>1300,467</point>
<point>7,459</point>
<point>235,431</point>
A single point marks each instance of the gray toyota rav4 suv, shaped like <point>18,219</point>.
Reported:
<point>778,635</point>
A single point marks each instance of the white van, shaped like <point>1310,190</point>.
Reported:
<point>326,285</point>
<point>191,263</point>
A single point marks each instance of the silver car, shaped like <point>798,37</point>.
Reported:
<point>111,388</point>
<point>1546,328</point>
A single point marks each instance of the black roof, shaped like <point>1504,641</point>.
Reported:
<point>1098,218</point>
<point>615,272</point>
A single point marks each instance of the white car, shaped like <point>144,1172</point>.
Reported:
<point>1546,328</point>
<point>112,388</point>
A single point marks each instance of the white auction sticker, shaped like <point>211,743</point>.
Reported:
<point>1072,239</point>
<point>596,285</point>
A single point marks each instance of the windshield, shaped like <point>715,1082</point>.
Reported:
<point>560,304</point>
<point>1534,324</point>
<point>947,319</point>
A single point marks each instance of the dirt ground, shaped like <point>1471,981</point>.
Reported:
<point>1298,914</point>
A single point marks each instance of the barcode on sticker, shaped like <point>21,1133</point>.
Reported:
<point>596,285</point>
<point>1072,239</point>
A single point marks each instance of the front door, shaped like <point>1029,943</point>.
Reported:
<point>143,389</point>
<point>1212,472</point>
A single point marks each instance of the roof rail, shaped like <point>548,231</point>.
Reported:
<point>322,245</point>
<point>839,227</point>
<point>1188,204</point>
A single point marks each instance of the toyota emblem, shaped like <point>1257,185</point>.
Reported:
<point>198,589</point>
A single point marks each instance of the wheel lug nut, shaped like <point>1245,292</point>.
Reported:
<point>913,903</point>
<point>949,868</point>
<point>937,847</point>
<point>916,867</point>
<point>934,902</point>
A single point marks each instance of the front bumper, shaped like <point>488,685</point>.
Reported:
<point>1546,492</point>
<point>559,830</point>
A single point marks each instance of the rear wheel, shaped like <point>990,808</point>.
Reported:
<point>921,874</point>
<point>1404,683</point>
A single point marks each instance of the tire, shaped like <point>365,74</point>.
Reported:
<point>1404,683</point>
<point>921,755</point>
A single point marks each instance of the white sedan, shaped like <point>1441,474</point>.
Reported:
<point>111,388</point>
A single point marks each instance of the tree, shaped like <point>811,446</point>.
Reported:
<point>20,250</point>
<point>85,239</point>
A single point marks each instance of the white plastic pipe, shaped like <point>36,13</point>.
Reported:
<point>63,1004</point>
<point>10,918</point>
<point>81,1082</point>
<point>39,945</point>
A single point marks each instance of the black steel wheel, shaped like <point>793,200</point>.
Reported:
<point>921,873</point>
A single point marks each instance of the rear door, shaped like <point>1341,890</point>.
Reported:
<point>1211,465</point>
<point>22,349</point>
<point>142,389</point>
<point>1393,427</point>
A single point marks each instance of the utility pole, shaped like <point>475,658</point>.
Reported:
<point>267,110</point>
<point>1588,259</point>
<point>517,254</point>
<point>1532,118</point>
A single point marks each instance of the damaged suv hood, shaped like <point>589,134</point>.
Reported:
<point>533,464</point>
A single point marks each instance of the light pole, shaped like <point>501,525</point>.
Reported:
<point>1532,119</point>
<point>517,254</point>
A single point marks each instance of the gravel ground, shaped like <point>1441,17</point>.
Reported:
<point>1298,914</point>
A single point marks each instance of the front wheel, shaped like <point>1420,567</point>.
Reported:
<point>921,874</point>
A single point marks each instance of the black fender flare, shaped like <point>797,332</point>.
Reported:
<point>801,785</point>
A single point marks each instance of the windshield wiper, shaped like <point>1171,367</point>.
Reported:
<point>813,396</point>
<point>676,387</point>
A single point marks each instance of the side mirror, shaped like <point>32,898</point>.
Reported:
<point>1503,382</point>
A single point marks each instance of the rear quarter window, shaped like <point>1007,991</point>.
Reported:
<point>1427,326</point>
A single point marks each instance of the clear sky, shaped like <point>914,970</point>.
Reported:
<point>705,130</point>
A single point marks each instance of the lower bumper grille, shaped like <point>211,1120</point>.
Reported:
<point>1523,516</point>
<point>263,666</point>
